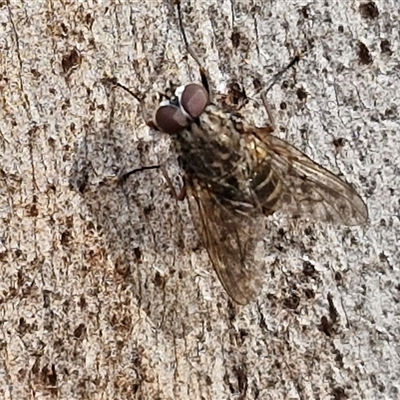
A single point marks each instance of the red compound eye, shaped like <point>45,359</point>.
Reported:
<point>194,99</point>
<point>170,119</point>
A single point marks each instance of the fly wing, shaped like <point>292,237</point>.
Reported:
<point>308,188</point>
<point>230,239</point>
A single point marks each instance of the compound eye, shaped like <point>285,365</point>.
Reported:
<point>170,119</point>
<point>194,99</point>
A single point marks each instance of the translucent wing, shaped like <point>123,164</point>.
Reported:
<point>230,239</point>
<point>308,188</point>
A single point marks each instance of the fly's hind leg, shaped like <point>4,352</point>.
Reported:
<point>274,80</point>
<point>268,109</point>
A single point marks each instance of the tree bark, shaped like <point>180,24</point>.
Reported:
<point>106,288</point>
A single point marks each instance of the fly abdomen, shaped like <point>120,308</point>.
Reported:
<point>267,188</point>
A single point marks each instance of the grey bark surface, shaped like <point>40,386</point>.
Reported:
<point>106,291</point>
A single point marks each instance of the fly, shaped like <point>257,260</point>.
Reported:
<point>236,173</point>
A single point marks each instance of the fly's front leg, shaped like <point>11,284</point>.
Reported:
<point>122,177</point>
<point>236,97</point>
<point>145,114</point>
<point>203,72</point>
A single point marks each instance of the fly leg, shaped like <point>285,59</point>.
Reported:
<point>203,72</point>
<point>138,97</point>
<point>274,80</point>
<point>179,196</point>
<point>122,177</point>
<point>183,191</point>
<point>126,175</point>
<point>268,109</point>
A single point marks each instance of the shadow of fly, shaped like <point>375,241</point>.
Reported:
<point>236,173</point>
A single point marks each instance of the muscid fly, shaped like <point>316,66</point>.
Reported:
<point>236,173</point>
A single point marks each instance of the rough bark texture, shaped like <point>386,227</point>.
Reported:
<point>106,291</point>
